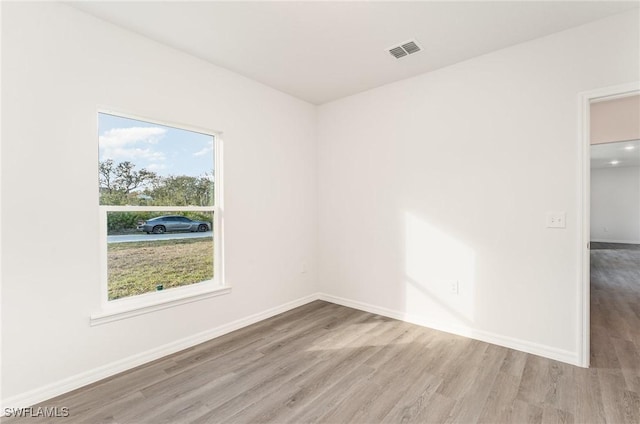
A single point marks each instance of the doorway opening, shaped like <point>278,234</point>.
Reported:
<point>610,240</point>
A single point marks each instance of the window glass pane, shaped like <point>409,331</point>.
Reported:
<point>148,164</point>
<point>146,252</point>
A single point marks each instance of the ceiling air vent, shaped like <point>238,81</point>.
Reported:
<point>404,49</point>
<point>398,52</point>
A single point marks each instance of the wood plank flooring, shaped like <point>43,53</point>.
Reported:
<point>330,364</point>
<point>596,245</point>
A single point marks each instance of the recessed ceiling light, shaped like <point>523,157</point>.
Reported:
<point>614,162</point>
<point>629,148</point>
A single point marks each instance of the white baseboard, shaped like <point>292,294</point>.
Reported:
<point>616,241</point>
<point>52,390</point>
<point>485,336</point>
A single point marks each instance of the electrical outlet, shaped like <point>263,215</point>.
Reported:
<point>454,287</point>
<point>556,220</point>
<point>303,267</point>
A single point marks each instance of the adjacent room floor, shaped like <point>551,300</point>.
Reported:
<point>328,363</point>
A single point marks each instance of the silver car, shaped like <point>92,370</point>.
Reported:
<point>162,224</point>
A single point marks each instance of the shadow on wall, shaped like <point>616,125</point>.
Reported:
<point>439,275</point>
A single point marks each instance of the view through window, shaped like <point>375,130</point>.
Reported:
<point>157,200</point>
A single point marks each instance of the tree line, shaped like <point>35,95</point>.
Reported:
<point>122,184</point>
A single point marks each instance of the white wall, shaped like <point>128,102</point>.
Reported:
<point>448,177</point>
<point>439,178</point>
<point>58,64</point>
<point>615,204</point>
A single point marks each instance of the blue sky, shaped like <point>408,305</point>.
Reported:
<point>158,148</point>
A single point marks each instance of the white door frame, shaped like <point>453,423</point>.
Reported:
<point>584,203</point>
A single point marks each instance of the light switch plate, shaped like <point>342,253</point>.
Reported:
<point>556,219</point>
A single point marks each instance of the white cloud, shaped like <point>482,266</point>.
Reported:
<point>131,143</point>
<point>156,167</point>
<point>117,137</point>
<point>205,150</point>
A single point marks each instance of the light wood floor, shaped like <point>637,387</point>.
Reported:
<point>331,364</point>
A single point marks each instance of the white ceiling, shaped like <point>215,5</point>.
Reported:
<point>322,51</point>
<point>626,153</point>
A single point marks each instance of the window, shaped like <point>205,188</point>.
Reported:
<point>159,189</point>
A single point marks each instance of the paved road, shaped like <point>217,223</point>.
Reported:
<point>153,237</point>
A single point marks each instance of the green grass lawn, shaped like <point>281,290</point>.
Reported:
<point>138,267</point>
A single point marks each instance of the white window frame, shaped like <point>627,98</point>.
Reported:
<point>113,310</point>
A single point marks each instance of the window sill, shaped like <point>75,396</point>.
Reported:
<point>144,304</point>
